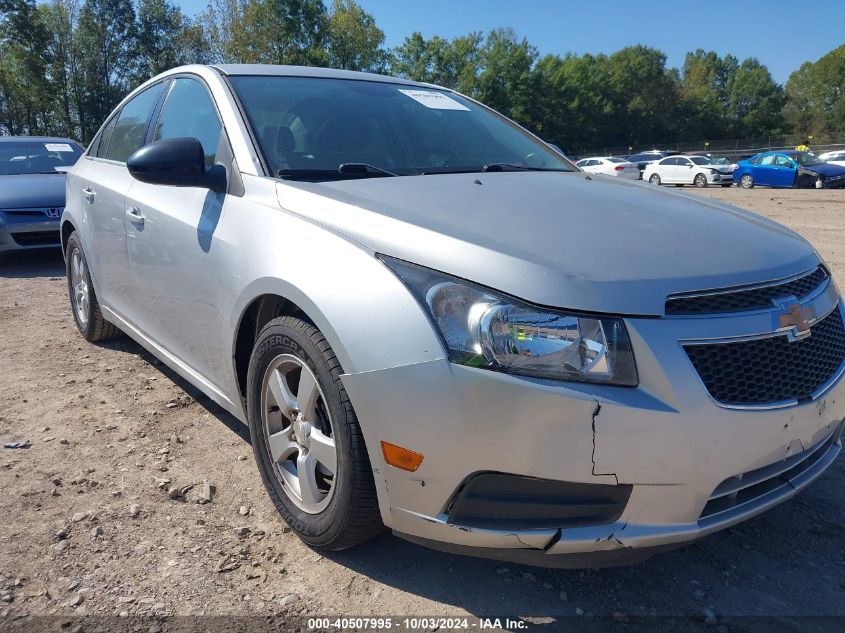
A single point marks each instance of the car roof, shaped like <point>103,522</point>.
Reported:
<point>270,70</point>
<point>38,139</point>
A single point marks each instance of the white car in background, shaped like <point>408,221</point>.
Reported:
<point>836,157</point>
<point>688,170</point>
<point>610,166</point>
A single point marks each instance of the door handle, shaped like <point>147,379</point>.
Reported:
<point>89,194</point>
<point>135,216</point>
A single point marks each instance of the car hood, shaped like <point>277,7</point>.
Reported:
<point>826,169</point>
<point>32,190</point>
<point>598,244</point>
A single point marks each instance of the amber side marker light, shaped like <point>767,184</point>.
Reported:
<point>399,457</point>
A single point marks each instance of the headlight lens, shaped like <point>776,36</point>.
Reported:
<point>484,329</point>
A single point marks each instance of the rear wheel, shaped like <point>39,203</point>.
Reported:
<point>746,182</point>
<point>83,300</point>
<point>700,181</point>
<point>306,437</point>
<point>655,179</point>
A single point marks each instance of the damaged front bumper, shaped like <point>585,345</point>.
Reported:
<point>693,467</point>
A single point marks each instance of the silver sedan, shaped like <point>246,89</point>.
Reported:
<point>433,322</point>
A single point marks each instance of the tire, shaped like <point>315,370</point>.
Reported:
<point>700,181</point>
<point>746,182</point>
<point>336,510</point>
<point>654,179</point>
<point>83,300</point>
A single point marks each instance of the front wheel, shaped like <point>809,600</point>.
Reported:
<point>700,181</point>
<point>655,179</point>
<point>83,300</point>
<point>306,437</point>
<point>746,182</point>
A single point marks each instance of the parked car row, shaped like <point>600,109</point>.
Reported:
<point>789,168</point>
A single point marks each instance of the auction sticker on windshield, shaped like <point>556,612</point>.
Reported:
<point>58,147</point>
<point>436,100</point>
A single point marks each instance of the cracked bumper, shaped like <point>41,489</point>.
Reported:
<point>666,438</point>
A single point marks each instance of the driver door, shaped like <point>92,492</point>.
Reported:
<point>785,172</point>
<point>175,253</point>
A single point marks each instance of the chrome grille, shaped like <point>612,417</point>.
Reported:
<point>748,299</point>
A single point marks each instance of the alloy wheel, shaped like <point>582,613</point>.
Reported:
<point>79,285</point>
<point>298,433</point>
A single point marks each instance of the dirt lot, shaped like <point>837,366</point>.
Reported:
<point>88,524</point>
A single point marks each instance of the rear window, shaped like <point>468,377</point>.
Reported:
<point>131,126</point>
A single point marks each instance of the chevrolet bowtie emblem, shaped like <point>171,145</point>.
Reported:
<point>798,318</point>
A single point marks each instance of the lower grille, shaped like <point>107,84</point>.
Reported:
<point>499,501</point>
<point>37,238</point>
<point>774,369</point>
<point>743,492</point>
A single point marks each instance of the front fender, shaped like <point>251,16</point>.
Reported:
<point>365,312</point>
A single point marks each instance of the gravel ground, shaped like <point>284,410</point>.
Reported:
<point>101,515</point>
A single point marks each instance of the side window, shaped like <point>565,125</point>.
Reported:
<point>131,126</point>
<point>755,160</point>
<point>189,111</point>
<point>768,160</point>
<point>103,140</point>
<point>669,161</point>
<point>783,161</point>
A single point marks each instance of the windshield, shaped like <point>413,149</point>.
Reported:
<point>309,127</point>
<point>37,157</point>
<point>617,160</point>
<point>805,160</point>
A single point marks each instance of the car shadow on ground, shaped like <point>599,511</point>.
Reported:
<point>129,346</point>
<point>32,263</point>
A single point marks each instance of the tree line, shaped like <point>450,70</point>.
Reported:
<point>64,65</point>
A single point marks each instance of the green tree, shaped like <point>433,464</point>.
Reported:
<point>816,96</point>
<point>160,26</point>
<point>754,102</point>
<point>105,35</point>
<point>506,82</point>
<point>353,41</point>
<point>452,63</point>
<point>24,90</point>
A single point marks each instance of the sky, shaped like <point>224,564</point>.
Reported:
<point>771,30</point>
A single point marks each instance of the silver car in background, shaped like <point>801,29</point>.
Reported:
<point>433,322</point>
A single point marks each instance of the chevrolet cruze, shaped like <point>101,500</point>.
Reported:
<point>433,322</point>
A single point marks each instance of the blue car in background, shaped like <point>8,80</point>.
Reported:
<point>788,169</point>
<point>32,189</point>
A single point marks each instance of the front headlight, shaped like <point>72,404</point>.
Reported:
<point>481,328</point>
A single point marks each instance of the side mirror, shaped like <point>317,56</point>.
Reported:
<point>178,162</point>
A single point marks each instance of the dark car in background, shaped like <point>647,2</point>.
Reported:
<point>32,189</point>
<point>643,159</point>
<point>788,169</point>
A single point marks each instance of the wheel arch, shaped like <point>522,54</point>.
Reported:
<point>66,230</point>
<point>368,329</point>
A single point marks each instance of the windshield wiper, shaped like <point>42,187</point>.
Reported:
<point>512,167</point>
<point>363,169</point>
<point>344,170</point>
